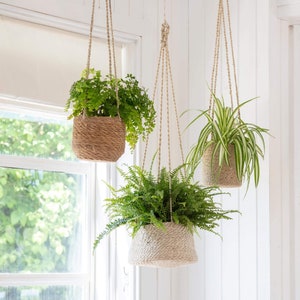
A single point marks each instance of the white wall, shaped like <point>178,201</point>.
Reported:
<point>257,258</point>
<point>284,162</point>
<point>238,266</point>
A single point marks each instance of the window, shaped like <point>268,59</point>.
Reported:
<point>44,210</point>
<point>51,203</point>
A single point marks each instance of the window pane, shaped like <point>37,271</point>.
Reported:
<point>37,137</point>
<point>42,293</point>
<point>41,221</point>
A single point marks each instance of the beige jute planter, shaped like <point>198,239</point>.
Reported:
<point>98,138</point>
<point>155,247</point>
<point>213,174</point>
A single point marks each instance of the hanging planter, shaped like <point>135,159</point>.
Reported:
<point>214,174</point>
<point>162,212</point>
<point>108,110</point>
<point>171,247</point>
<point>97,138</point>
<point>228,149</point>
<point>162,230</point>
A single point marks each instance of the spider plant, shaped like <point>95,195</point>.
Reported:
<point>224,127</point>
<point>145,199</point>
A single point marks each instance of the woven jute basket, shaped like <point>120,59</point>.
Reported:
<point>222,176</point>
<point>98,138</point>
<point>155,247</point>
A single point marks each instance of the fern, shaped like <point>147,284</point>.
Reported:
<point>108,229</point>
<point>145,199</point>
<point>96,96</point>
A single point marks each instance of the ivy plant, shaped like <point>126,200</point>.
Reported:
<point>145,199</point>
<point>227,128</point>
<point>96,96</point>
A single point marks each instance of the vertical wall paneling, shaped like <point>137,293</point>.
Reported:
<point>233,265</point>
<point>296,160</point>
<point>248,89</point>
<point>230,246</point>
<point>263,106</point>
<point>285,160</point>
<point>197,100</point>
<point>122,7</point>
<point>136,8</point>
<point>277,37</point>
<point>213,252</point>
<point>236,268</point>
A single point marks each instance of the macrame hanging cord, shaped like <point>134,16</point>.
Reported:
<point>223,28</point>
<point>110,44</point>
<point>164,74</point>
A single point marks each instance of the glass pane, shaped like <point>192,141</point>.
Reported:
<point>37,137</point>
<point>42,293</point>
<point>41,221</point>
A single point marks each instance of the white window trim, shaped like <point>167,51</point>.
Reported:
<point>132,48</point>
<point>84,278</point>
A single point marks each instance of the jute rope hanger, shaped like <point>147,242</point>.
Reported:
<point>164,73</point>
<point>110,44</point>
<point>224,25</point>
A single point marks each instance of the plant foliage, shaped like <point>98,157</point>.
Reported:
<point>228,128</point>
<point>145,199</point>
<point>39,210</point>
<point>96,96</point>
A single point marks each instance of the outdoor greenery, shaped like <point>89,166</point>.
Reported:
<point>145,199</point>
<point>225,128</point>
<point>96,96</point>
<point>39,210</point>
<point>35,138</point>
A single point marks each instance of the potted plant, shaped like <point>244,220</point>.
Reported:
<point>162,213</point>
<point>228,148</point>
<point>104,108</point>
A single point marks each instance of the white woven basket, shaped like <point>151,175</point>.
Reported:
<point>155,247</point>
<point>223,176</point>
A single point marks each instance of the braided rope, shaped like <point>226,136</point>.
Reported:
<point>223,26</point>
<point>88,64</point>
<point>111,48</point>
<point>215,68</point>
<point>164,73</point>
<point>233,58</point>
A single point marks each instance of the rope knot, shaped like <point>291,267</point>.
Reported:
<point>165,29</point>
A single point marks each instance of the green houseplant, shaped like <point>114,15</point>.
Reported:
<point>121,101</point>
<point>228,147</point>
<point>143,205</point>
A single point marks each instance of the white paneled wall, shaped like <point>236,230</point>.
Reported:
<point>236,267</point>
<point>257,258</point>
<point>296,161</point>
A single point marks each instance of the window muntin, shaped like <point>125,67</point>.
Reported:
<point>41,292</point>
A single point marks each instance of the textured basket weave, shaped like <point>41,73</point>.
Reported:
<point>156,247</point>
<point>212,174</point>
<point>98,138</point>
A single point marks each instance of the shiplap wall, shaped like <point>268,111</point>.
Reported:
<point>236,267</point>
<point>284,157</point>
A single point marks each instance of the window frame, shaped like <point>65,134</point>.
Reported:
<point>104,281</point>
<point>87,169</point>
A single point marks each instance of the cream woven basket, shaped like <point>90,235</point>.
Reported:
<point>98,138</point>
<point>155,247</point>
<point>212,174</point>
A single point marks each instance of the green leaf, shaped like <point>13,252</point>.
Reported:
<point>224,129</point>
<point>97,96</point>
